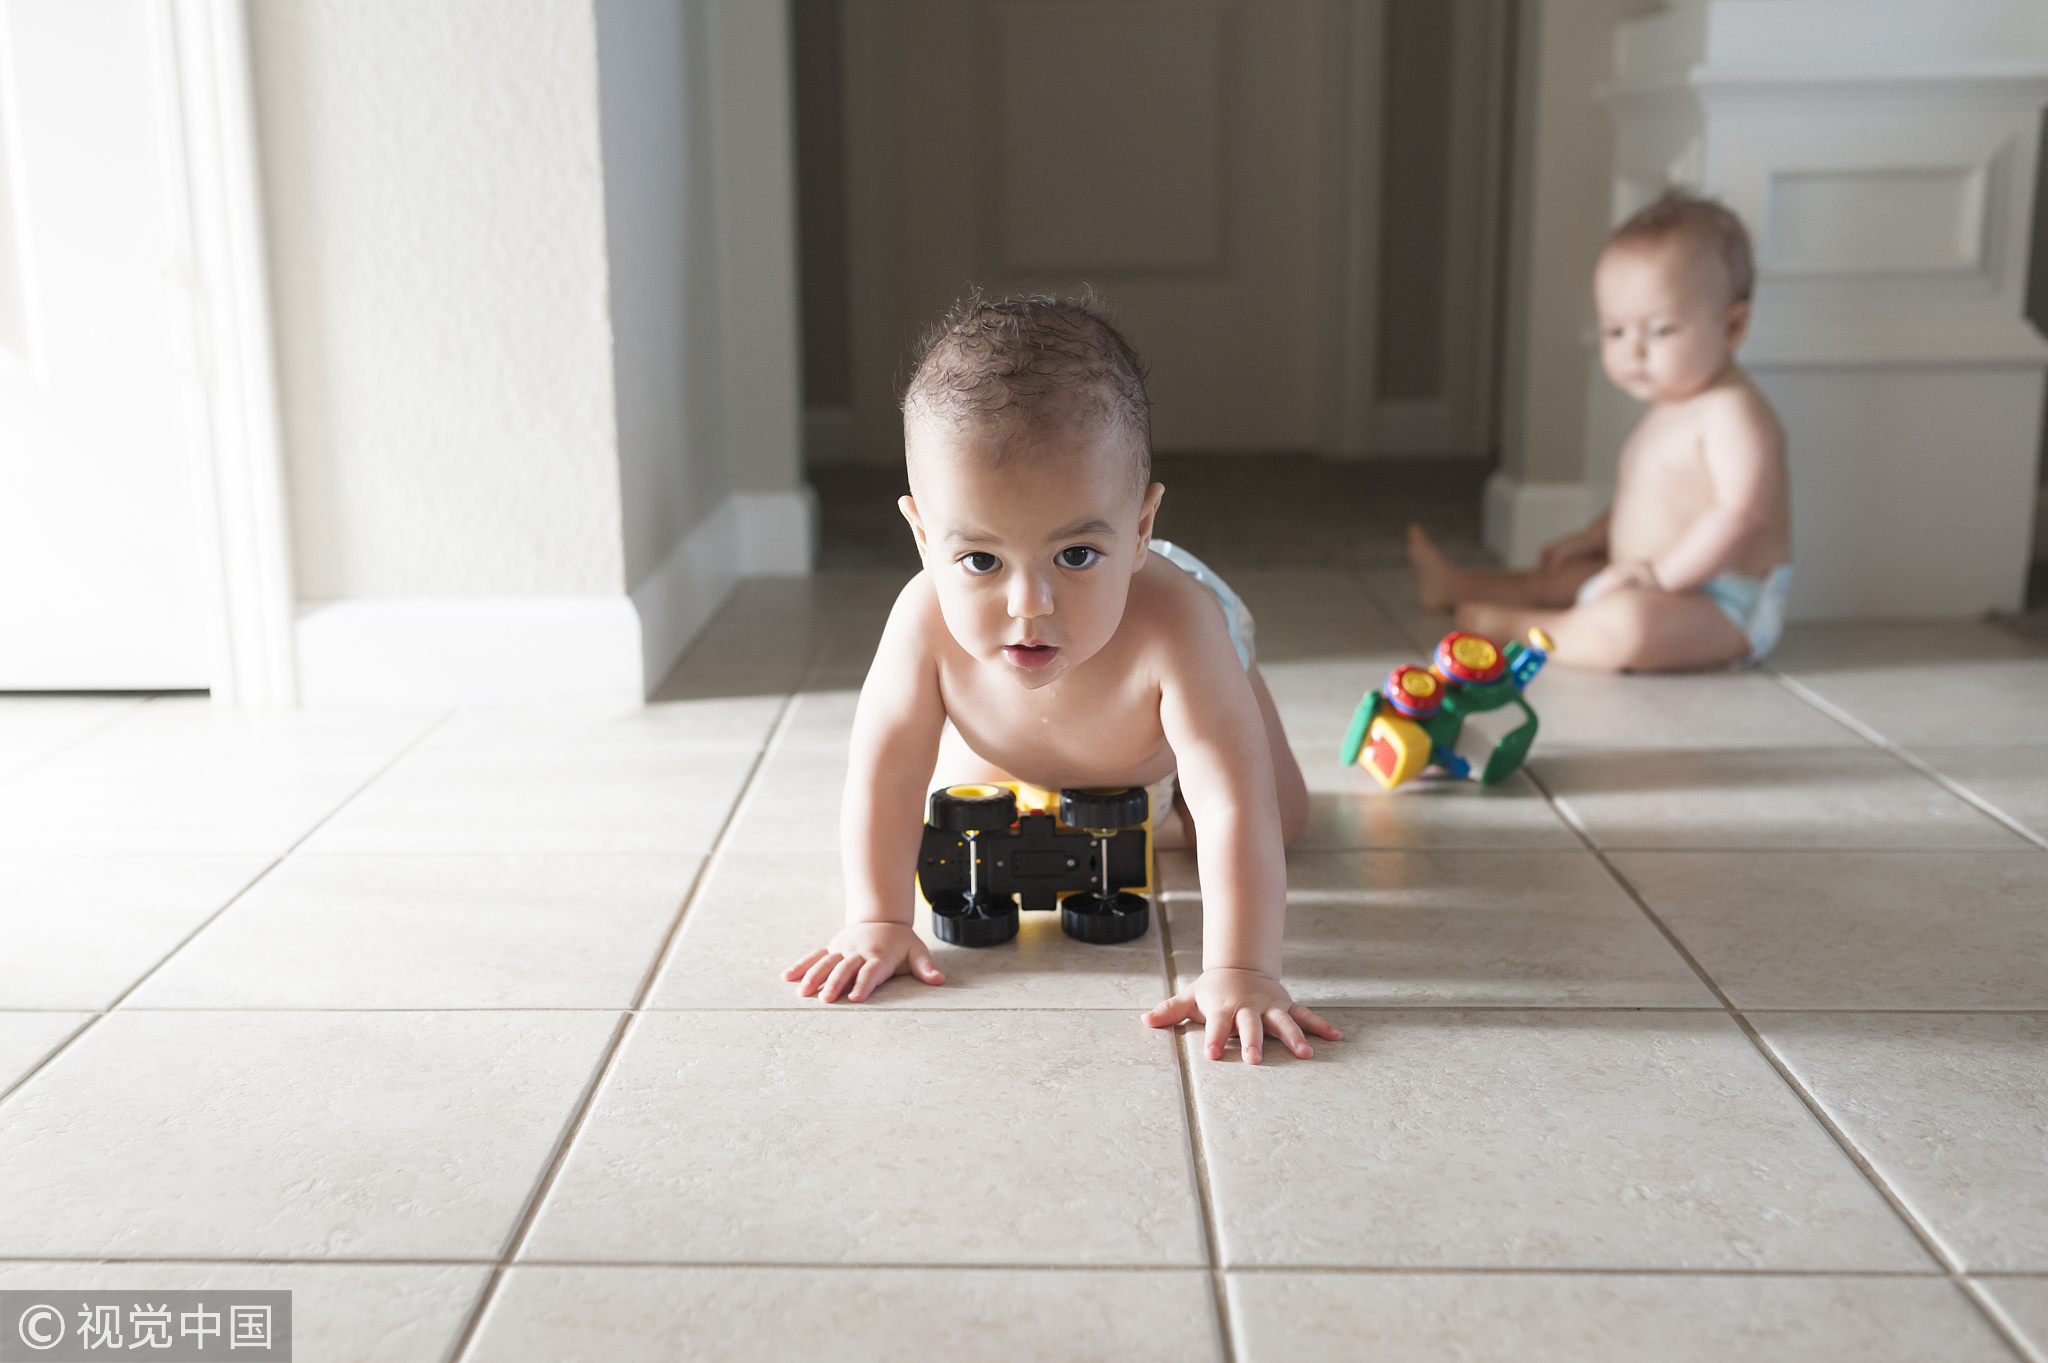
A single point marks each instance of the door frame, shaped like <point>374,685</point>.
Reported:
<point>206,104</point>
<point>1354,81</point>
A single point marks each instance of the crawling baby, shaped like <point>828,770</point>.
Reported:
<point>1050,640</point>
<point>1691,565</point>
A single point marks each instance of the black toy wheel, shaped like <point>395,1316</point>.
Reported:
<point>982,921</point>
<point>973,809</point>
<point>1125,808</point>
<point>1122,917</point>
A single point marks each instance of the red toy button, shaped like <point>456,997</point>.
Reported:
<point>1414,691</point>
<point>1470,658</point>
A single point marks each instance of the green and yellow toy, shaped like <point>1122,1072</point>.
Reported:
<point>1463,715</point>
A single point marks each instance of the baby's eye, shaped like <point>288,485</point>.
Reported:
<point>1077,556</point>
<point>1666,330</point>
<point>980,564</point>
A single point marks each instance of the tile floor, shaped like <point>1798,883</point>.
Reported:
<point>1722,1032</point>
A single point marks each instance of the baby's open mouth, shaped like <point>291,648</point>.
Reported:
<point>1030,655</point>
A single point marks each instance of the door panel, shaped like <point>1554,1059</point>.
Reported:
<point>1206,164</point>
<point>1109,138</point>
<point>100,571</point>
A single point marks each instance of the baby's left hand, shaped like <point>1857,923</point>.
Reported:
<point>1617,577</point>
<point>1246,1002</point>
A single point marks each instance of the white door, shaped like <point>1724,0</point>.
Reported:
<point>101,576</point>
<point>1210,166</point>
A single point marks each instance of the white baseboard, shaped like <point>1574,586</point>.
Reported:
<point>679,598</point>
<point>616,649</point>
<point>753,534</point>
<point>828,436</point>
<point>1519,518</point>
<point>468,650</point>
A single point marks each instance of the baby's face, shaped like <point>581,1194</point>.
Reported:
<point>1032,558</point>
<point>1666,326</point>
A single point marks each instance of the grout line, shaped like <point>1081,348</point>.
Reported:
<point>1923,1233</point>
<point>1107,1010</point>
<point>347,1261</point>
<point>608,1061</point>
<point>1462,850</point>
<point>1770,849</point>
<point>1870,735</point>
<point>557,1158</point>
<point>771,744</point>
<point>756,1009</point>
<point>1198,1158</point>
<point>77,739</point>
<point>1393,616</point>
<point>231,901</point>
<point>2008,1329</point>
<point>907,1266</point>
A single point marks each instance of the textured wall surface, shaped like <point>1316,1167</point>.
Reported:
<point>652,57</point>
<point>435,196</point>
<point>753,188</point>
<point>1564,157</point>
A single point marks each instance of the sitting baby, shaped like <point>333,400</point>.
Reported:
<point>1690,566</point>
<point>1066,648</point>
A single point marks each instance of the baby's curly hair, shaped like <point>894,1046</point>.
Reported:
<point>1700,223</point>
<point>1028,362</point>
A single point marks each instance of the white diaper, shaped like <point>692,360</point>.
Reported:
<point>1236,614</point>
<point>1160,795</point>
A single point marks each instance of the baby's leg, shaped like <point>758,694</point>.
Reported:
<point>1624,631</point>
<point>1178,829</point>
<point>1444,584</point>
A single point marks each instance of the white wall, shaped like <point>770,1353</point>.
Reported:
<point>1557,221</point>
<point>661,235</point>
<point>437,244</point>
<point>536,308</point>
<point>753,188</point>
<point>700,198</point>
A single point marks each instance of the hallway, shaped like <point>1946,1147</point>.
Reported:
<point>1718,1034</point>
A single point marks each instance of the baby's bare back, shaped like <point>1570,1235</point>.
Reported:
<point>1100,723</point>
<point>1722,449</point>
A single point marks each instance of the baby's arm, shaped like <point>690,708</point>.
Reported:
<point>1588,543</point>
<point>1743,464</point>
<point>895,745</point>
<point>1742,461</point>
<point>1212,721</point>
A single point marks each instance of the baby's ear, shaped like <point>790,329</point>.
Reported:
<point>908,506</point>
<point>1147,513</point>
<point>1738,322</point>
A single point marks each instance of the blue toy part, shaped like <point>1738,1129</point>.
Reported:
<point>1450,762</point>
<point>1525,661</point>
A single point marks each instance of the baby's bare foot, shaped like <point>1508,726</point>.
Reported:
<point>1439,576</point>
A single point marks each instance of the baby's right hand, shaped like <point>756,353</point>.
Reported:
<point>1570,549</point>
<point>866,954</point>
